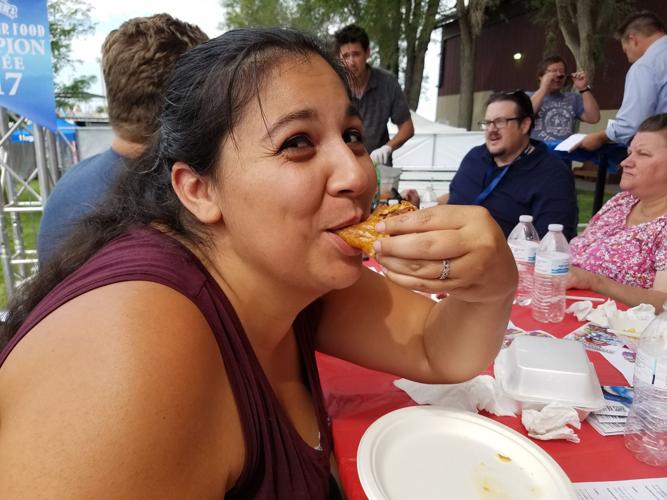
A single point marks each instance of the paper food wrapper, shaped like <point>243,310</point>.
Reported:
<point>479,393</point>
<point>629,323</point>
<point>484,393</point>
<point>554,421</point>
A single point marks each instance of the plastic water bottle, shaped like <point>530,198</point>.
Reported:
<point>523,241</point>
<point>646,427</point>
<point>429,198</point>
<point>552,265</point>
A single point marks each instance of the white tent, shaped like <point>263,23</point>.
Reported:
<point>435,145</point>
<point>433,154</point>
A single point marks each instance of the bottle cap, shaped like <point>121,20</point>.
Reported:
<point>525,218</point>
<point>555,227</point>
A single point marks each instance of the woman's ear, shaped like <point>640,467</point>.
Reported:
<point>196,193</point>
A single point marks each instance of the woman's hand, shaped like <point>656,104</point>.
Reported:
<point>578,278</point>
<point>481,266</point>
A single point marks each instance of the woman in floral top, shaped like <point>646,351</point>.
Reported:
<point>623,252</point>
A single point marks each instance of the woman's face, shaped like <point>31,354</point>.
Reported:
<point>645,168</point>
<point>296,171</point>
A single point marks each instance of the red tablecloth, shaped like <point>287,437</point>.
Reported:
<point>356,397</point>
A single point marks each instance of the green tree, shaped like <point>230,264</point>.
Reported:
<point>68,19</point>
<point>584,24</point>
<point>471,15</point>
<point>246,13</point>
<point>400,30</point>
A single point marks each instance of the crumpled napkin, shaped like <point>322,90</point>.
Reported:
<point>480,393</point>
<point>551,422</point>
<point>485,393</point>
<point>607,315</point>
<point>581,310</point>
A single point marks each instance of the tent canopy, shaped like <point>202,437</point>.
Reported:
<point>435,145</point>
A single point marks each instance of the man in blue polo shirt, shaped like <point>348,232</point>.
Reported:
<point>512,175</point>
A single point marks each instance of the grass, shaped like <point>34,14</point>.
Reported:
<point>30,224</point>
<point>585,202</point>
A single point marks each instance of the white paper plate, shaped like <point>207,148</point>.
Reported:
<point>426,452</point>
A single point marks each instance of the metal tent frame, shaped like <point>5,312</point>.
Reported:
<point>18,197</point>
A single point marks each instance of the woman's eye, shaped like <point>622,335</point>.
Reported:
<point>296,142</point>
<point>352,136</point>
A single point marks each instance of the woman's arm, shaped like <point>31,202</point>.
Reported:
<point>382,324</point>
<point>629,295</point>
<point>119,393</point>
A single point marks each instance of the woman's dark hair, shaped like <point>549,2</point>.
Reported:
<point>205,97</point>
<point>524,105</point>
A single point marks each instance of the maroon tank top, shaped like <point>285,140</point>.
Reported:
<point>279,463</point>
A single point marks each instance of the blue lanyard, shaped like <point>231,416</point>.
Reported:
<point>496,180</point>
<point>492,185</point>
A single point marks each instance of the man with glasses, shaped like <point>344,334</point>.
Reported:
<point>556,112</point>
<point>512,175</point>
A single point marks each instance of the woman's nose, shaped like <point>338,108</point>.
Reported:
<point>351,173</point>
<point>628,162</point>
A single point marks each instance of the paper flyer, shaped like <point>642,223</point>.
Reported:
<point>610,420</point>
<point>570,143</point>
<point>514,332</point>
<point>634,489</point>
<point>596,338</point>
<point>623,360</point>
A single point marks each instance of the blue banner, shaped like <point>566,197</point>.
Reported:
<point>26,73</point>
<point>66,128</point>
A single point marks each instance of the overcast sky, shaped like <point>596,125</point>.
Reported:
<point>207,14</point>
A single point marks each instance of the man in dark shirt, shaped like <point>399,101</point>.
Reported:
<point>377,95</point>
<point>512,175</point>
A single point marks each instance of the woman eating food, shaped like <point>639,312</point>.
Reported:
<point>622,254</point>
<point>169,351</point>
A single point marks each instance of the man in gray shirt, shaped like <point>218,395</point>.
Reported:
<point>377,95</point>
<point>557,113</point>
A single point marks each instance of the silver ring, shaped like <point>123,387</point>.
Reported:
<point>445,270</point>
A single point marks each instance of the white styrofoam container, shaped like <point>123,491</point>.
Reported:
<point>539,370</point>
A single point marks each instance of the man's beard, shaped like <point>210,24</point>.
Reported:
<point>500,152</point>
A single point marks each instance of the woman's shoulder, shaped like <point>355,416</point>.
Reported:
<point>141,254</point>
<point>134,331</point>
<point>127,367</point>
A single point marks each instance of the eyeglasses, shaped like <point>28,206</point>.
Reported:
<point>498,123</point>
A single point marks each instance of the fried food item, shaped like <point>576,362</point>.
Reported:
<point>363,235</point>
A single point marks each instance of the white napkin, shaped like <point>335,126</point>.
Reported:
<point>551,422</point>
<point>484,393</point>
<point>607,315</point>
<point>580,309</point>
<point>585,311</point>
<point>479,393</point>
